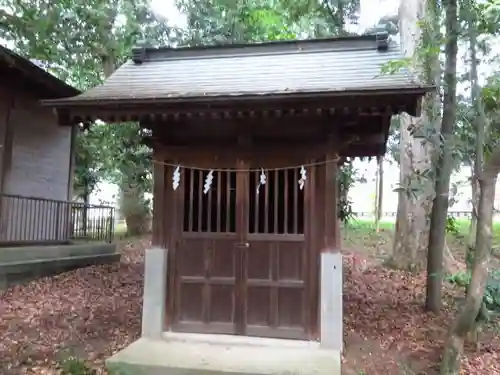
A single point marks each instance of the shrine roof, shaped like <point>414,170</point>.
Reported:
<point>334,66</point>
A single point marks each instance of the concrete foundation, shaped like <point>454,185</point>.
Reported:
<point>25,263</point>
<point>193,354</point>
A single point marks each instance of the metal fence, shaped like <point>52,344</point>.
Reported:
<point>392,214</point>
<point>38,220</point>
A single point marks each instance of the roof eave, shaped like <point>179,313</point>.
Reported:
<point>38,75</point>
<point>75,102</point>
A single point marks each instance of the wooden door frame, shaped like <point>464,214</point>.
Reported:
<point>242,218</point>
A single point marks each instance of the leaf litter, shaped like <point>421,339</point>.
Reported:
<point>94,312</point>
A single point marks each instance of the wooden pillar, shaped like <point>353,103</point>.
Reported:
<point>158,224</point>
<point>242,212</point>
<point>331,223</point>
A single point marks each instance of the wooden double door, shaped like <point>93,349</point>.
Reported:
<point>242,264</point>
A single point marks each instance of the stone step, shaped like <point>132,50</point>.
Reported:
<point>191,354</point>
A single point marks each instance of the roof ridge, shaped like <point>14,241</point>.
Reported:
<point>379,40</point>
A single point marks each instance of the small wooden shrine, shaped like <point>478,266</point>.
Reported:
<point>246,140</point>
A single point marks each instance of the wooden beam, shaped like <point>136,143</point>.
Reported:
<point>331,192</point>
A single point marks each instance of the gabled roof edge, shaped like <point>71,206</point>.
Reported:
<point>37,74</point>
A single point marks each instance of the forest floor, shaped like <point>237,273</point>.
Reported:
<point>93,312</point>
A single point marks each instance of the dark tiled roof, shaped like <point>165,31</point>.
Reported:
<point>35,75</point>
<point>312,66</point>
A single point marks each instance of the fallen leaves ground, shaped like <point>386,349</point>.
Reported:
<point>388,332</point>
<point>95,311</point>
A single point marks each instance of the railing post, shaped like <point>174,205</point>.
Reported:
<point>112,225</point>
<point>58,221</point>
<point>67,220</point>
<point>85,219</point>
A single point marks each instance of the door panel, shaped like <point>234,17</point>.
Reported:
<point>275,265</point>
<point>206,259</point>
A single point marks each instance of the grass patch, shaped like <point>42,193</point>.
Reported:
<point>360,234</point>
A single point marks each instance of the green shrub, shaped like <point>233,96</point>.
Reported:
<point>75,366</point>
<point>490,307</point>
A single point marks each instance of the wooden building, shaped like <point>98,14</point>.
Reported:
<point>36,154</point>
<point>248,258</point>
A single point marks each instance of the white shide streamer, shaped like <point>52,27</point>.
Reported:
<point>176,177</point>
<point>208,182</point>
<point>262,179</point>
<point>303,177</point>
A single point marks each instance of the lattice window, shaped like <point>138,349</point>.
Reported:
<point>214,211</point>
<point>277,207</point>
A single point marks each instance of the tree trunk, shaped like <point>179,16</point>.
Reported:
<point>134,210</point>
<point>471,239</point>
<point>439,213</point>
<point>379,196</point>
<point>464,322</point>
<point>416,151</point>
<point>479,124</point>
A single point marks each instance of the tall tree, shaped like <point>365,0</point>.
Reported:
<point>420,39</point>
<point>472,15</point>
<point>444,166</point>
<point>465,320</point>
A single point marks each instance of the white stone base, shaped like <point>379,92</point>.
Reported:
<point>331,301</point>
<point>183,354</point>
<point>155,293</point>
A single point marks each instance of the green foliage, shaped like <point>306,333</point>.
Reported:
<point>413,185</point>
<point>87,166</point>
<point>122,154</point>
<point>492,294</point>
<point>461,279</point>
<point>490,307</point>
<point>395,66</point>
<point>464,152</point>
<point>75,366</point>
<point>241,21</point>
<point>452,226</point>
<point>346,179</point>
